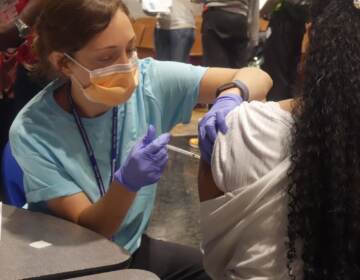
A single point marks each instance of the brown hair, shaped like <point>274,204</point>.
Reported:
<point>68,25</point>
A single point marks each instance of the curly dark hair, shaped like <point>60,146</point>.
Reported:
<point>324,189</point>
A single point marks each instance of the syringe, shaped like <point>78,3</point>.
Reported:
<point>182,151</point>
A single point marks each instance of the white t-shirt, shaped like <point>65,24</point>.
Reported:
<point>245,230</point>
<point>181,16</point>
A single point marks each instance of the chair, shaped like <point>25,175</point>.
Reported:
<point>144,28</point>
<point>196,52</point>
<point>139,29</point>
<point>12,177</point>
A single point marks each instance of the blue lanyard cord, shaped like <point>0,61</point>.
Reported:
<point>88,146</point>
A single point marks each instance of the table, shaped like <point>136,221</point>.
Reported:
<point>125,274</point>
<point>75,251</point>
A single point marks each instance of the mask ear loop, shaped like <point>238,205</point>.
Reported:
<point>82,67</point>
<point>77,63</point>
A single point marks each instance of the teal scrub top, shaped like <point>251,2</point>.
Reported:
<point>46,142</point>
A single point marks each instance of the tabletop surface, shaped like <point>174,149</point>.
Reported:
<point>72,247</point>
<point>126,274</point>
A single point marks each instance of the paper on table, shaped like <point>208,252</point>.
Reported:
<point>40,244</point>
<point>157,6</point>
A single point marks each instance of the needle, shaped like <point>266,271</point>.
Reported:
<point>182,151</point>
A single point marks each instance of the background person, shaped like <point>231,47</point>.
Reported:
<point>16,57</point>
<point>230,32</point>
<point>175,32</point>
<point>283,49</point>
<point>281,200</point>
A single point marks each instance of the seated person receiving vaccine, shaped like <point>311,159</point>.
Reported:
<point>281,199</point>
<point>92,144</point>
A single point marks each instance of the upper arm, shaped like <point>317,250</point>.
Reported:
<point>69,207</point>
<point>258,82</point>
<point>48,182</point>
<point>206,185</point>
<point>214,78</point>
<point>45,177</point>
<point>287,105</point>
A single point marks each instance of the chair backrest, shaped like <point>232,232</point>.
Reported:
<point>12,177</point>
<point>144,28</point>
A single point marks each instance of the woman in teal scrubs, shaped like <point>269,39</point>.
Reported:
<point>92,144</point>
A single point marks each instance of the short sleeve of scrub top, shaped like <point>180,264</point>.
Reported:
<point>47,145</point>
<point>175,87</point>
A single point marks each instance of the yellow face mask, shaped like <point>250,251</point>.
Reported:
<point>111,85</point>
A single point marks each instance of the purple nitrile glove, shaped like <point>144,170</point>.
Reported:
<point>214,121</point>
<point>145,163</point>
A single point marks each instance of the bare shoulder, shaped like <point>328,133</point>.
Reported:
<point>287,104</point>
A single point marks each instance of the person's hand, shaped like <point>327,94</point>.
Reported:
<point>214,121</point>
<point>146,162</point>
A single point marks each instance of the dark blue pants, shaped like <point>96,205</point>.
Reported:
<point>174,45</point>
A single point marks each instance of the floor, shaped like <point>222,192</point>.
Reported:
<point>176,214</point>
<point>190,129</point>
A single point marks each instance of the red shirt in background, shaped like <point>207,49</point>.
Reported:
<point>10,9</point>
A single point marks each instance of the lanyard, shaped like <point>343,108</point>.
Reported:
<point>88,146</point>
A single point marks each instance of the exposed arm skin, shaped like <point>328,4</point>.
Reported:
<point>103,217</point>
<point>206,185</point>
<point>258,82</point>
